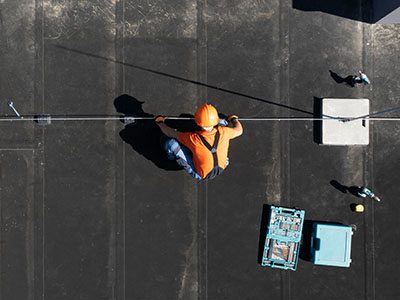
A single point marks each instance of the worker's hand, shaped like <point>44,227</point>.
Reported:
<point>232,117</point>
<point>159,119</point>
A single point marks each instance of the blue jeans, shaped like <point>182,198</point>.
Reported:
<point>182,155</point>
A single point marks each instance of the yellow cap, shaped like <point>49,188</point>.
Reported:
<point>359,208</point>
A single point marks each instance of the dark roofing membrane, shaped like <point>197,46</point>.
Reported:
<point>94,210</point>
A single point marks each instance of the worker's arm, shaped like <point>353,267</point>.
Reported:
<point>236,126</point>
<point>168,131</point>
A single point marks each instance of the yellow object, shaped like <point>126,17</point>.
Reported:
<point>359,208</point>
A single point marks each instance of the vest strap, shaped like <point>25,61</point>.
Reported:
<point>213,148</point>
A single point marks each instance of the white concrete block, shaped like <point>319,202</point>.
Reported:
<point>335,132</point>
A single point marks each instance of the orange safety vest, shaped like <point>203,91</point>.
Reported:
<point>209,161</point>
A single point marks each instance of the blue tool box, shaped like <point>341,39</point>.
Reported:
<point>331,244</point>
<point>282,243</point>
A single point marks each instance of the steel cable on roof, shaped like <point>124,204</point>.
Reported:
<point>134,118</point>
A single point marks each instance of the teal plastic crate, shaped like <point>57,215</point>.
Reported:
<point>331,244</point>
<point>282,243</point>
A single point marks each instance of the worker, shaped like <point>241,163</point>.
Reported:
<point>204,153</point>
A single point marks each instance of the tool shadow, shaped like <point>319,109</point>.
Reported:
<point>339,79</point>
<point>354,190</point>
<point>144,135</point>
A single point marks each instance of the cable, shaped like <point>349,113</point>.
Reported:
<point>373,114</point>
<point>134,118</point>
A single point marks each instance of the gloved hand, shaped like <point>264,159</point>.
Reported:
<point>231,117</point>
<point>159,119</point>
<point>222,122</point>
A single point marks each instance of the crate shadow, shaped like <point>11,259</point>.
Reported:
<point>263,231</point>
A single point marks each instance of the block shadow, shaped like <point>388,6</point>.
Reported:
<point>382,8</point>
<point>343,8</point>
<point>363,10</point>
<point>317,125</point>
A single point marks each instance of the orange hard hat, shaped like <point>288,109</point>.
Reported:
<point>206,116</point>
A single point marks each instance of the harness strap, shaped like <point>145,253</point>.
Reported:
<point>212,148</point>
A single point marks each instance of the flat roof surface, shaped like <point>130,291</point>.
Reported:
<point>94,210</point>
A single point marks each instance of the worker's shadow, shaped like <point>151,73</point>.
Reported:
<point>144,135</point>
